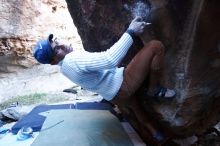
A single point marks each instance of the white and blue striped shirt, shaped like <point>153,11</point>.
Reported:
<point>98,71</point>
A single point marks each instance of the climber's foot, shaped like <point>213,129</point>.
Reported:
<point>163,92</point>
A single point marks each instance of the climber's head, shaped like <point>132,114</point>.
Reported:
<point>51,51</point>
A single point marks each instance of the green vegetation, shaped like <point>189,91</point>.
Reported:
<point>37,98</point>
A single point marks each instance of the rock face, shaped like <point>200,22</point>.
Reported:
<point>191,34</point>
<point>24,22</point>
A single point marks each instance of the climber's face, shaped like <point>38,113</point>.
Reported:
<point>60,50</point>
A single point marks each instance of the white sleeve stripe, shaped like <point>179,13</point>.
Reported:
<point>107,59</point>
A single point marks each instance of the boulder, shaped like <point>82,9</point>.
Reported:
<point>191,34</point>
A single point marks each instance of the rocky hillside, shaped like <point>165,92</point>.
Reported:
<point>24,22</point>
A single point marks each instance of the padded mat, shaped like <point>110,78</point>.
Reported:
<point>69,127</point>
<point>34,119</point>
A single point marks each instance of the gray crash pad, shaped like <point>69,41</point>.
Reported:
<point>69,127</point>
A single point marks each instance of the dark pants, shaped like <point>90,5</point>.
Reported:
<point>148,58</point>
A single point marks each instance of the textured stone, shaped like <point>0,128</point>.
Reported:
<point>24,22</point>
<point>190,32</point>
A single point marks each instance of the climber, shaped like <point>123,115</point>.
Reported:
<point>99,72</point>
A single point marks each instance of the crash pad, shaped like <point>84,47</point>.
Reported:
<point>72,127</point>
<point>34,119</point>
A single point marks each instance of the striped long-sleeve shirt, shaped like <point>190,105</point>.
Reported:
<point>98,72</point>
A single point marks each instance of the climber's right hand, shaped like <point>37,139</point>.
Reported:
<point>136,26</point>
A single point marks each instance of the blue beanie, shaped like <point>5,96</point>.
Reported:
<point>43,51</point>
